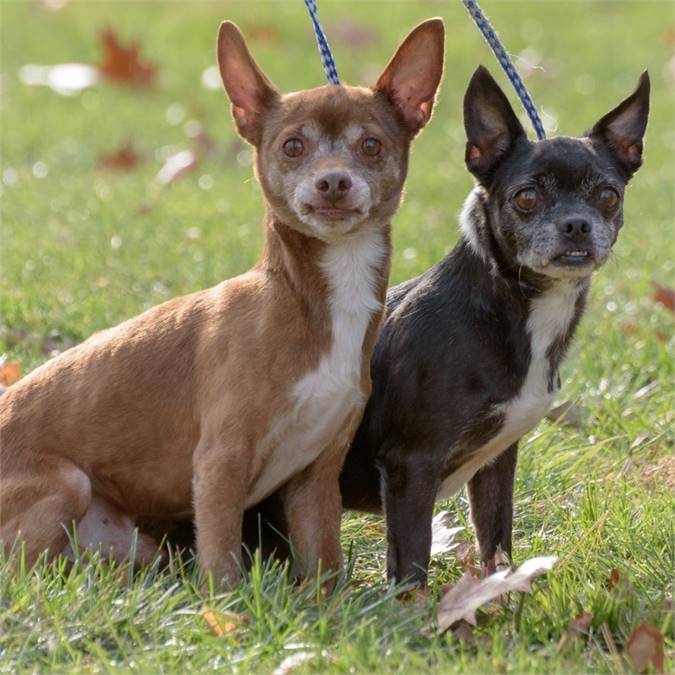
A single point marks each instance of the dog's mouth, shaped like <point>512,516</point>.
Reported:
<point>573,257</point>
<point>331,213</point>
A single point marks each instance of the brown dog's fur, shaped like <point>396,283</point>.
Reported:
<point>207,403</point>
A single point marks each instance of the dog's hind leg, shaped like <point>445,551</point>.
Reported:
<point>108,528</point>
<point>39,503</point>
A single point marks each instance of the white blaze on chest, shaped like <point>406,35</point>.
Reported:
<point>324,398</point>
<point>550,317</point>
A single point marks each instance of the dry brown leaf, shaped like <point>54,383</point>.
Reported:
<point>442,536</point>
<point>614,578</point>
<point>176,166</point>
<point>664,296</point>
<point>469,594</point>
<point>223,622</point>
<point>10,372</point>
<point>644,648</point>
<point>122,159</point>
<point>123,64</point>
<point>577,628</point>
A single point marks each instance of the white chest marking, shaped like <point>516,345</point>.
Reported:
<point>324,398</point>
<point>550,317</point>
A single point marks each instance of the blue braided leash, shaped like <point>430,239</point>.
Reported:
<point>485,28</point>
<point>505,62</point>
<point>326,56</point>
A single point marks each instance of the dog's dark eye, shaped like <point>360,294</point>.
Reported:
<point>609,197</point>
<point>371,147</point>
<point>526,199</point>
<point>294,147</point>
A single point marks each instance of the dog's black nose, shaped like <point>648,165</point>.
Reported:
<point>333,185</point>
<point>576,229</point>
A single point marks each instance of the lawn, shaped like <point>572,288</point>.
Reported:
<point>83,247</point>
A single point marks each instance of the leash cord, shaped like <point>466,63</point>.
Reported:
<point>485,28</point>
<point>490,35</point>
<point>324,49</point>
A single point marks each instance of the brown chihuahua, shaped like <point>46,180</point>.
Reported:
<point>204,405</point>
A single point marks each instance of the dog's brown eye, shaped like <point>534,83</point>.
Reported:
<point>294,147</point>
<point>371,147</point>
<point>527,199</point>
<point>609,197</point>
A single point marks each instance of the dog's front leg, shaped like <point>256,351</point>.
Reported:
<point>219,493</point>
<point>313,509</point>
<point>409,488</point>
<point>491,498</point>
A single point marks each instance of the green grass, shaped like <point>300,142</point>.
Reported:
<point>61,279</point>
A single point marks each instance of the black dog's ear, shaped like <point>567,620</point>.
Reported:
<point>490,123</point>
<point>622,129</point>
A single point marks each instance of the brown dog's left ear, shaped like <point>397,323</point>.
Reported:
<point>249,89</point>
<point>412,76</point>
<point>622,129</point>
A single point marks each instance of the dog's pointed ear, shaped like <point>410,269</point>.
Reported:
<point>411,78</point>
<point>623,128</point>
<point>249,89</point>
<point>490,123</point>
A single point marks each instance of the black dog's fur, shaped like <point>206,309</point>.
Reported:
<point>468,358</point>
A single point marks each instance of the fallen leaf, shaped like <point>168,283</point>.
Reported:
<point>122,159</point>
<point>613,580</point>
<point>644,648</point>
<point>10,372</point>
<point>577,629</point>
<point>664,296</point>
<point>123,64</point>
<point>176,166</point>
<point>66,79</point>
<point>223,622</point>
<point>469,594</point>
<point>442,536</point>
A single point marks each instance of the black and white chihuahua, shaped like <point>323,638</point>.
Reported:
<point>467,360</point>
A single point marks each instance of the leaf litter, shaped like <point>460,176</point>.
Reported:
<point>645,648</point>
<point>221,623</point>
<point>10,372</point>
<point>120,63</point>
<point>470,594</point>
